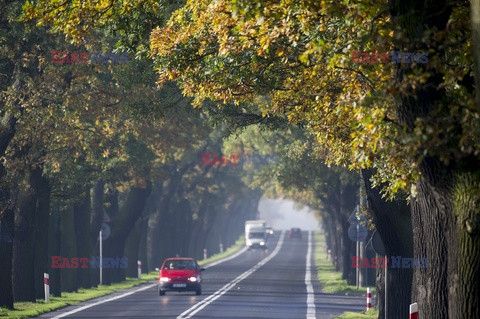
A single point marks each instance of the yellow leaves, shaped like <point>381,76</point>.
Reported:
<point>301,54</point>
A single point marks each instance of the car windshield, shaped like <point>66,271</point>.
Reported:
<point>256,235</point>
<point>180,264</point>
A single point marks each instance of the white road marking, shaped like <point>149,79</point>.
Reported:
<point>308,281</point>
<point>103,301</point>
<point>217,294</point>
<point>140,289</point>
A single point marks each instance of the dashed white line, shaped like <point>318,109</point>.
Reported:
<point>217,294</point>
<point>308,281</point>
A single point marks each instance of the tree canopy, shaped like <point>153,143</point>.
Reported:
<point>295,59</point>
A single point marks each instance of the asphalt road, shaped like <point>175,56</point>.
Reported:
<point>256,284</point>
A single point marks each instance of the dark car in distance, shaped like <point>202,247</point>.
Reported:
<point>180,274</point>
<point>295,233</point>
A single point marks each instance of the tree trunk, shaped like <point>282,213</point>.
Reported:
<point>133,250</point>
<point>96,217</point>
<point>7,131</point>
<point>122,224</point>
<point>466,203</point>
<point>446,209</point>
<point>346,263</point>
<point>380,287</point>
<point>23,274</point>
<point>68,248</point>
<point>393,223</point>
<point>54,249</point>
<point>451,243</point>
<point>159,223</point>
<point>6,254</point>
<point>81,216</point>
<point>41,187</point>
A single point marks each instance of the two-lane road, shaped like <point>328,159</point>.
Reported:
<point>256,284</point>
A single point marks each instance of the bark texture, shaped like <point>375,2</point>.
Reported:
<point>23,274</point>
<point>446,208</point>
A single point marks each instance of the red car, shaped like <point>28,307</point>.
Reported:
<point>180,274</point>
<point>295,233</point>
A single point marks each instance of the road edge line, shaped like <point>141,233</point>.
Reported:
<point>238,253</point>
<point>101,302</point>
<point>308,280</point>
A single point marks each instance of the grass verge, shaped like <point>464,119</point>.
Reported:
<point>239,244</point>
<point>32,309</point>
<point>370,314</point>
<point>330,279</point>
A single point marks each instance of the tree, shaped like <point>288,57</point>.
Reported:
<point>418,127</point>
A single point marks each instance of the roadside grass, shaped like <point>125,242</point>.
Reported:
<point>239,244</point>
<point>330,279</point>
<point>32,309</point>
<point>333,283</point>
<point>370,314</point>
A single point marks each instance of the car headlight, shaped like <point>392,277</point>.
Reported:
<point>164,279</point>
<point>193,279</point>
<point>262,243</point>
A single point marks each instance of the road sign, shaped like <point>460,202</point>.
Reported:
<point>106,218</point>
<point>357,232</point>
<point>377,244</point>
<point>357,217</point>
<point>106,231</point>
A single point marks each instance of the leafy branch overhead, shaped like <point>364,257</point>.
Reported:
<point>294,59</point>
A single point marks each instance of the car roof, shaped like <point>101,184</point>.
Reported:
<point>179,258</point>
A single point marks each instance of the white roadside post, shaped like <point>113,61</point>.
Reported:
<point>46,284</point>
<point>101,256</point>
<point>205,253</point>
<point>414,311</point>
<point>139,269</point>
<point>221,248</point>
<point>369,299</point>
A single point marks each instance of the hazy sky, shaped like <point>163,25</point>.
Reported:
<point>280,214</point>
